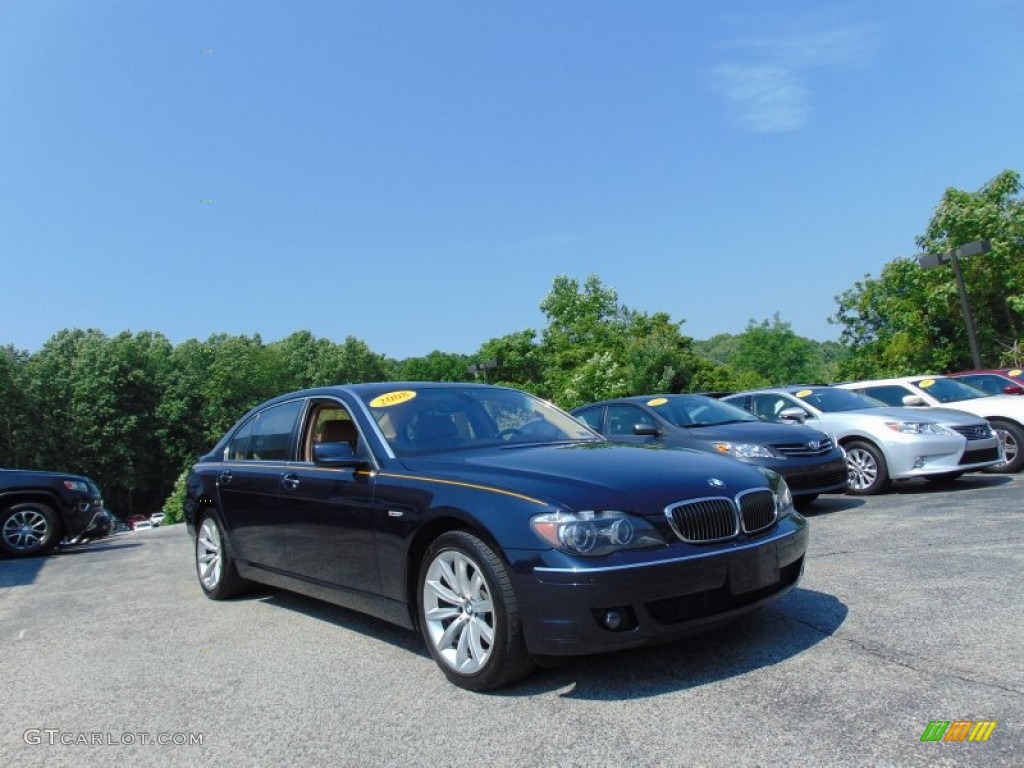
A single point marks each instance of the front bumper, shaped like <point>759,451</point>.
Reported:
<point>807,477</point>
<point>562,608</point>
<point>935,454</point>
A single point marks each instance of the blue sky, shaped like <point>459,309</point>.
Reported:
<point>416,173</point>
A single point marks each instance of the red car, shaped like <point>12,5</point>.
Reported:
<point>1000,381</point>
<point>135,519</point>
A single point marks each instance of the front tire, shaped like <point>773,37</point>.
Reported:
<point>28,529</point>
<point>215,566</point>
<point>869,473</point>
<point>1012,438</point>
<point>469,615</point>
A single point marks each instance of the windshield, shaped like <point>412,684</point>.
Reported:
<point>434,420</point>
<point>698,411</point>
<point>833,399</point>
<point>949,390</point>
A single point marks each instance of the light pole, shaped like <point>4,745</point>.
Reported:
<point>929,260</point>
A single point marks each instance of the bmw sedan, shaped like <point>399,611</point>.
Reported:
<point>498,526</point>
<point>808,459</point>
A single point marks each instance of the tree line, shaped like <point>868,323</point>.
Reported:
<point>132,411</point>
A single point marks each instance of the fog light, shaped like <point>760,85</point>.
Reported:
<point>613,619</point>
<point>920,461</point>
<point>619,619</point>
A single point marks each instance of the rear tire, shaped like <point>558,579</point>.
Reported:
<point>1012,437</point>
<point>469,615</point>
<point>28,529</point>
<point>869,473</point>
<point>215,566</point>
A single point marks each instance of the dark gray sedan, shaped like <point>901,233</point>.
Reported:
<point>810,461</point>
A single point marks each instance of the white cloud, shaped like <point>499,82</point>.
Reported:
<point>766,98</point>
<point>765,80</point>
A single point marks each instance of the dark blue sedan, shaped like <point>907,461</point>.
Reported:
<point>811,461</point>
<point>497,525</point>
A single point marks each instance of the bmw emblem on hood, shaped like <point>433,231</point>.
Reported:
<point>714,482</point>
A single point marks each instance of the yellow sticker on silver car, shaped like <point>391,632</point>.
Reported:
<point>657,401</point>
<point>805,392</point>
<point>392,398</point>
<point>925,383</point>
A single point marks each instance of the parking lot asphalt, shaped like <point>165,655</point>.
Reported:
<point>910,611</point>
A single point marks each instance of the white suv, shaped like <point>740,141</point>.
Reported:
<point>1004,412</point>
<point>881,443</point>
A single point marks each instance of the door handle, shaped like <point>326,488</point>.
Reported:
<point>290,481</point>
<point>224,478</point>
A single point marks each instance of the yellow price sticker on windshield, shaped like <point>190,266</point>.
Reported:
<point>925,383</point>
<point>805,392</point>
<point>657,401</point>
<point>392,398</point>
<point>1015,372</point>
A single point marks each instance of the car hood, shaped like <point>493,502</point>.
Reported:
<point>948,415</point>
<point>596,475</point>
<point>750,431</point>
<point>1011,406</point>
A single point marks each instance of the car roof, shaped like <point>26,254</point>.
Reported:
<point>895,380</point>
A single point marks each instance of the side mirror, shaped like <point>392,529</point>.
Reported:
<point>913,401</point>
<point>1013,389</point>
<point>646,430</point>
<point>335,455</point>
<point>793,414</point>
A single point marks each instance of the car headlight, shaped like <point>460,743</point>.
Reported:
<point>919,428</point>
<point>76,485</point>
<point>745,450</point>
<point>595,533</point>
<point>780,489</point>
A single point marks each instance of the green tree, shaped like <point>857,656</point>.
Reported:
<point>436,366</point>
<point>771,351</point>
<point>13,431</point>
<point>909,320</point>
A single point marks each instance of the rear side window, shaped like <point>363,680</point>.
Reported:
<point>591,417</point>
<point>268,435</point>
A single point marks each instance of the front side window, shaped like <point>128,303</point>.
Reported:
<point>770,406</point>
<point>623,418</point>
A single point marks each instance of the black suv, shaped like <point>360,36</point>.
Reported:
<point>38,509</point>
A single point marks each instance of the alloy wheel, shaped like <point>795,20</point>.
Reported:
<point>863,469</point>
<point>459,611</point>
<point>209,559</point>
<point>26,530</point>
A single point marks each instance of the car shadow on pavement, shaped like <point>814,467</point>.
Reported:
<point>826,505</point>
<point>780,631</point>
<point>959,485</point>
<point>800,620</point>
<point>343,618</point>
<point>22,571</point>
